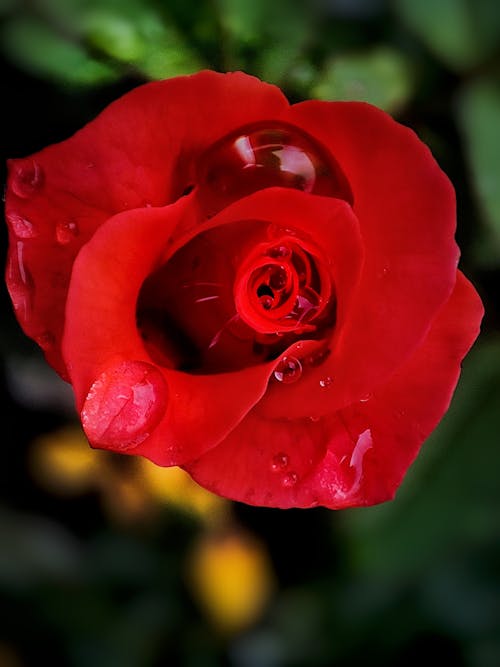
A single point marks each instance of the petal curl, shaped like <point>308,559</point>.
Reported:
<point>104,352</point>
<point>406,210</point>
<point>358,455</point>
<point>138,152</point>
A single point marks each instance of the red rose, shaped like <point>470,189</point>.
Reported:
<point>264,294</point>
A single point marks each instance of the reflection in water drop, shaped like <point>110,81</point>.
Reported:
<point>326,382</point>
<point>265,155</point>
<point>288,370</point>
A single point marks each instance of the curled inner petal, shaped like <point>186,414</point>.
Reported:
<point>214,314</point>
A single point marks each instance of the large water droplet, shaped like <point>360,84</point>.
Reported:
<point>279,462</point>
<point>66,231</point>
<point>326,382</point>
<point>21,226</point>
<point>288,370</point>
<point>264,155</point>
<point>124,405</point>
<point>363,444</point>
<point>27,178</point>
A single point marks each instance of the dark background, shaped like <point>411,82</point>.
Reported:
<point>105,561</point>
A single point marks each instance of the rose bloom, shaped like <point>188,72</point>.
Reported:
<point>262,293</point>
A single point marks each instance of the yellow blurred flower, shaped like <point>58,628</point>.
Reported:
<point>131,488</point>
<point>173,486</point>
<point>64,463</point>
<point>231,578</point>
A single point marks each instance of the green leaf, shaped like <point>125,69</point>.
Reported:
<point>36,48</point>
<point>478,114</point>
<point>382,77</point>
<point>461,33</point>
<point>140,37</point>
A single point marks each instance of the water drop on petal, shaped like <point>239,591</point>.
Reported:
<point>264,155</point>
<point>288,370</point>
<point>27,178</point>
<point>66,231</point>
<point>326,382</point>
<point>22,227</point>
<point>279,462</point>
<point>124,405</point>
<point>20,282</point>
<point>290,479</point>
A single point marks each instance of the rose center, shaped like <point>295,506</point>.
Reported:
<point>281,288</point>
<point>202,312</point>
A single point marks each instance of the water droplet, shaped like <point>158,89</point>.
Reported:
<point>264,155</point>
<point>326,382</point>
<point>290,479</point>
<point>20,282</point>
<point>314,418</point>
<point>363,444</point>
<point>288,370</point>
<point>27,178</point>
<point>124,405</point>
<point>278,278</point>
<point>66,231</point>
<point>365,398</point>
<point>22,227</point>
<point>383,271</point>
<point>279,462</point>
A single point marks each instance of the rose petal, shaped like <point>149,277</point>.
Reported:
<point>138,152</point>
<point>359,455</point>
<point>107,361</point>
<point>406,211</point>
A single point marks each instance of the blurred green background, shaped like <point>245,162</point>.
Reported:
<point>110,562</point>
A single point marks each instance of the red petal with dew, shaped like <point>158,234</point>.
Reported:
<point>406,210</point>
<point>117,386</point>
<point>356,456</point>
<point>140,151</point>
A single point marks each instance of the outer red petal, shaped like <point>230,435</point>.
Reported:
<point>356,456</point>
<point>101,343</point>
<point>406,210</point>
<point>134,154</point>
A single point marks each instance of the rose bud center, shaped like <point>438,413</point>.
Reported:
<point>204,313</point>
